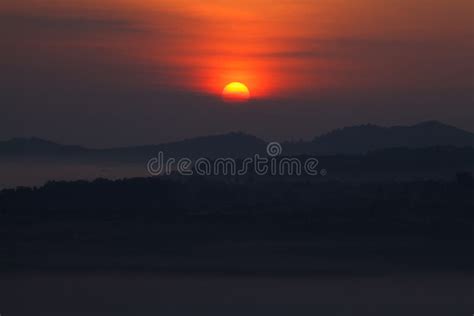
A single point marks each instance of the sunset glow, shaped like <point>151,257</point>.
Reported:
<point>235,92</point>
<point>286,49</point>
<point>311,61</point>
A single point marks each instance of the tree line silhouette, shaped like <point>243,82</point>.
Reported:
<point>427,219</point>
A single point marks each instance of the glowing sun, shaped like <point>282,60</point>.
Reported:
<point>235,92</point>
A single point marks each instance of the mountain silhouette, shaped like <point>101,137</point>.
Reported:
<point>365,138</point>
<point>349,140</point>
<point>37,146</point>
<point>235,144</point>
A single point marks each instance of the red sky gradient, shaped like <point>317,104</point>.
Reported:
<point>282,50</point>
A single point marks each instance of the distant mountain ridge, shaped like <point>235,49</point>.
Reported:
<point>364,138</point>
<point>233,144</point>
<point>349,140</point>
<point>34,145</point>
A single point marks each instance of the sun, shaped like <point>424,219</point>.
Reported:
<point>235,92</point>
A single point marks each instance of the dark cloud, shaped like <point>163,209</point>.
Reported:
<point>12,22</point>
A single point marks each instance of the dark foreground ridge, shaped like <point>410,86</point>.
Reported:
<point>239,225</point>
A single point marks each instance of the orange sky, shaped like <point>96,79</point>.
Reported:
<point>158,67</point>
<point>277,48</point>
